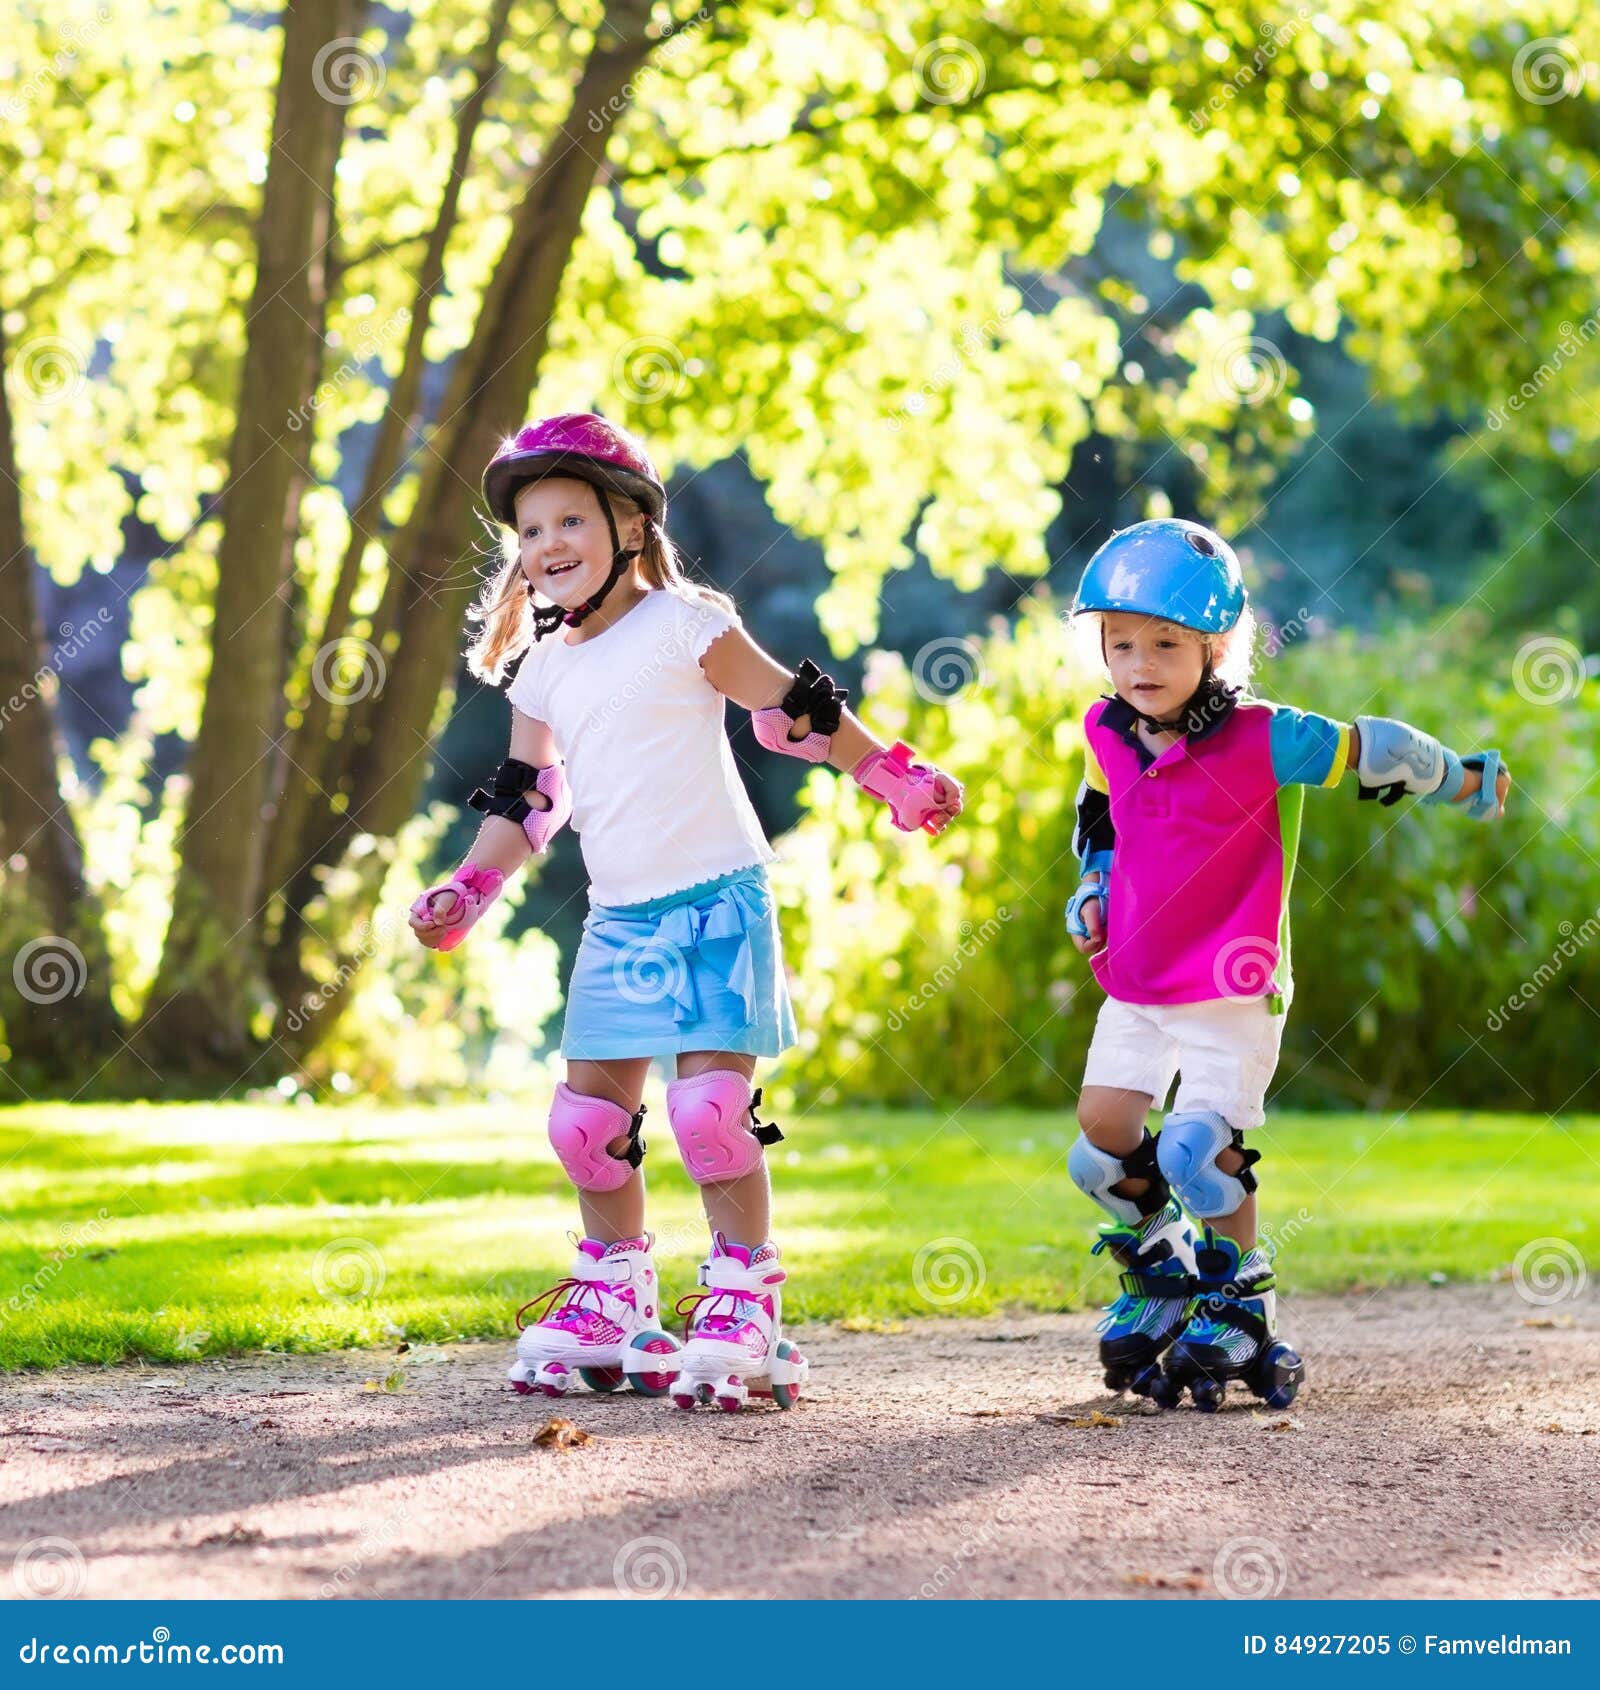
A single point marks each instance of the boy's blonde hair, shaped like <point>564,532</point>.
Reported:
<point>504,605</point>
<point>1232,654</point>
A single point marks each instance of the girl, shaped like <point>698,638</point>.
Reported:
<point>617,724</point>
<point>1188,822</point>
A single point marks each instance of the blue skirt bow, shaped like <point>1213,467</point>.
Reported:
<point>700,969</point>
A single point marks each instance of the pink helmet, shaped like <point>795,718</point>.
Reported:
<point>577,443</point>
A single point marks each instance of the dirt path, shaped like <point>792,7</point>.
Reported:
<point>1445,1447</point>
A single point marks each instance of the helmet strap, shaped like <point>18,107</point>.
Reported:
<point>547,618</point>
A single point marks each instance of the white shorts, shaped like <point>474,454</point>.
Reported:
<point>1226,1051</point>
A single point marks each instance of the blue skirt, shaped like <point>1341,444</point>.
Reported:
<point>700,969</point>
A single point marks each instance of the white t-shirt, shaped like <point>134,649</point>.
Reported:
<point>657,801</point>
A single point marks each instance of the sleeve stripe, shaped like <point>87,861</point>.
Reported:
<point>1094,776</point>
<point>1340,756</point>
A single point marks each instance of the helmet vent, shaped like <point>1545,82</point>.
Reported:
<point>1202,544</point>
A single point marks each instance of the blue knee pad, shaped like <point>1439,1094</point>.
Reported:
<point>1187,1152</point>
<point>1094,1171</point>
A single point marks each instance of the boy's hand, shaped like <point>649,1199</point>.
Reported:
<point>1090,907</point>
<point>1472,784</point>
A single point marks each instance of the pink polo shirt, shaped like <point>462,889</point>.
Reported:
<point>1206,837</point>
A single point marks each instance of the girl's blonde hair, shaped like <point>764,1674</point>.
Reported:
<point>1232,654</point>
<point>504,605</point>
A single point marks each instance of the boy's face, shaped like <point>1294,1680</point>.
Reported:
<point>1155,666</point>
<point>563,541</point>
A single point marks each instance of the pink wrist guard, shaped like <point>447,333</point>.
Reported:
<point>906,787</point>
<point>773,727</point>
<point>460,901</point>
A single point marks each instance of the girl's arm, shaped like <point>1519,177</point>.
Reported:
<point>739,669</point>
<point>443,915</point>
<point>1471,770</point>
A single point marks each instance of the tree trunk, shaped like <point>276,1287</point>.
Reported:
<point>55,973</point>
<point>313,746</point>
<point>378,764</point>
<point>199,1008</point>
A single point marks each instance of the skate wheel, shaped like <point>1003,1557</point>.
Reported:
<point>653,1344</point>
<point>1116,1380</point>
<point>684,1399</point>
<point>1143,1384</point>
<point>602,1379</point>
<point>786,1396</point>
<point>522,1387</point>
<point>729,1405</point>
<point>1165,1391</point>
<point>1208,1395</point>
<point>1278,1376</point>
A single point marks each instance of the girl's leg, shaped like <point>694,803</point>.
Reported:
<point>741,1209</point>
<point>612,1215</point>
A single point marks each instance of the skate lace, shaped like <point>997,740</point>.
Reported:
<point>583,1302</point>
<point>701,1313</point>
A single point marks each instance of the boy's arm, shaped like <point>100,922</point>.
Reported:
<point>1390,759</point>
<point>1095,838</point>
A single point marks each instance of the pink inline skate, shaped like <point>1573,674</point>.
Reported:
<point>736,1348</point>
<point>601,1324</point>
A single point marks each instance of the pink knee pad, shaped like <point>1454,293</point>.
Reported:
<point>713,1116</point>
<point>581,1128</point>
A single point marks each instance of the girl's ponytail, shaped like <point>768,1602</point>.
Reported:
<point>505,608</point>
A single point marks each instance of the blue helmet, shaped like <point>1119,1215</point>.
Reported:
<point>1169,568</point>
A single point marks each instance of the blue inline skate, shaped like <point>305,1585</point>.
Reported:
<point>1157,1259</point>
<point>1230,1333</point>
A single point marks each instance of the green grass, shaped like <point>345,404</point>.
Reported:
<point>184,1230</point>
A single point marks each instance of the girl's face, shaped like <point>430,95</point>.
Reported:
<point>1154,665</point>
<point>563,540</point>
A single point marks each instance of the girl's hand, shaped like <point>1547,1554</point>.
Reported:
<point>443,915</point>
<point>948,794</point>
<point>1472,784</point>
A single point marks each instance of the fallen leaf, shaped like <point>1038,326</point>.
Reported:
<point>1544,1322</point>
<point>560,1434</point>
<point>1160,1581</point>
<point>1008,1337</point>
<point>1283,1423</point>
<point>981,1413</point>
<point>884,1328</point>
<point>1082,1422</point>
